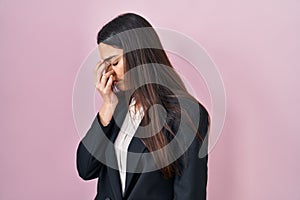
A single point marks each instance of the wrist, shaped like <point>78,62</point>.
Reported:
<point>110,102</point>
<point>104,121</point>
<point>106,112</point>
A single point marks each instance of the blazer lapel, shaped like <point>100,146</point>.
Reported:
<point>110,153</point>
<point>113,174</point>
<point>137,147</point>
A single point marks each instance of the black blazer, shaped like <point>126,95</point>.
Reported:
<point>190,185</point>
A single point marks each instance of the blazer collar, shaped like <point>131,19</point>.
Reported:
<point>134,164</point>
<point>136,146</point>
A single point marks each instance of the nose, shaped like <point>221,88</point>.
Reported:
<point>109,67</point>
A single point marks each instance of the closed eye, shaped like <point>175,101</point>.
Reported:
<point>115,64</point>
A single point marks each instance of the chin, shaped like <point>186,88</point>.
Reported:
<point>120,85</point>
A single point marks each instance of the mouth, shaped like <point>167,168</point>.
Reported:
<point>115,86</point>
<point>115,82</point>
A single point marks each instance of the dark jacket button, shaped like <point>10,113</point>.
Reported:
<point>107,198</point>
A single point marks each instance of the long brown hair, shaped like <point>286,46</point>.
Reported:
<point>142,48</point>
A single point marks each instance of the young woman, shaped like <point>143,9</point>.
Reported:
<point>145,140</point>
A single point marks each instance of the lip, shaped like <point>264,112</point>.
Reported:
<point>117,81</point>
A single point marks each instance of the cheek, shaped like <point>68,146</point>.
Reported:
<point>121,68</point>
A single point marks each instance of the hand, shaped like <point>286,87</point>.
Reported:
<point>103,82</point>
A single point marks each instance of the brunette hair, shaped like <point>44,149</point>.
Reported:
<point>142,47</point>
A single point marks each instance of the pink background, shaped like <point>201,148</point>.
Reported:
<point>254,43</point>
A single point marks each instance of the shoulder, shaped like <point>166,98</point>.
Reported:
<point>187,110</point>
<point>189,121</point>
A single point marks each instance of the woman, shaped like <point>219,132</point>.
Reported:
<point>144,142</point>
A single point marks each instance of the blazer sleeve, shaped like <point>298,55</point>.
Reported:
<point>91,148</point>
<point>192,182</point>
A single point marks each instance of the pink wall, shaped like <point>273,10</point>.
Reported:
<point>254,43</point>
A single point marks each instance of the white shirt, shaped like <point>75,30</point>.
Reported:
<point>127,131</point>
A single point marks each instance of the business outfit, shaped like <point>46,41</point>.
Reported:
<point>131,123</point>
<point>96,158</point>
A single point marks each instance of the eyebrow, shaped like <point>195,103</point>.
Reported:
<point>108,58</point>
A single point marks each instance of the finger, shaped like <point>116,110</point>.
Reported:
<point>99,69</point>
<point>109,84</point>
<point>103,80</point>
<point>107,74</point>
<point>98,74</point>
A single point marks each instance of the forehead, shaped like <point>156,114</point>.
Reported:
<point>106,51</point>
